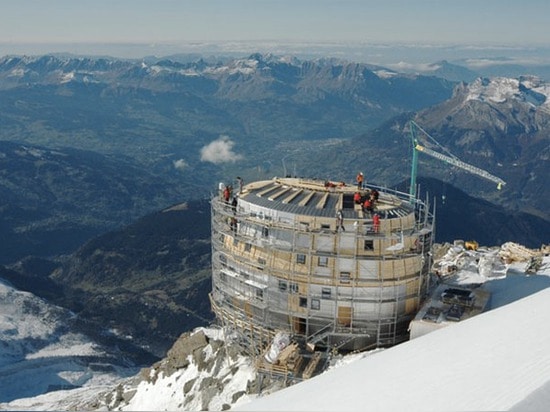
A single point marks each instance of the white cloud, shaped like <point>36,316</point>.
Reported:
<point>220,151</point>
<point>405,66</point>
<point>180,164</point>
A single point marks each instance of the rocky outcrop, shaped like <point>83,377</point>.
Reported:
<point>204,370</point>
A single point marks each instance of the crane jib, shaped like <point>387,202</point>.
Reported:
<point>461,164</point>
<point>448,159</point>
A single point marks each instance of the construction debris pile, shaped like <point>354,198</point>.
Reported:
<point>512,252</point>
<point>285,359</point>
<point>467,258</point>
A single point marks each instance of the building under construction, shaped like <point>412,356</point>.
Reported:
<point>304,257</point>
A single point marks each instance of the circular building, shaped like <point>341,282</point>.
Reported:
<point>308,257</point>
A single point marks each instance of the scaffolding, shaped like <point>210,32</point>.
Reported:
<point>281,262</point>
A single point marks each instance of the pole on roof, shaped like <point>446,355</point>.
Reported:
<point>414,166</point>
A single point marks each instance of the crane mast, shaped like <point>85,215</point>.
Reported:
<point>417,147</point>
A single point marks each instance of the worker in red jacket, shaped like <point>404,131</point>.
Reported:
<point>376,222</point>
<point>227,194</point>
<point>360,180</point>
<point>367,206</point>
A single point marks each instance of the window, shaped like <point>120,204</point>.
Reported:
<point>325,227</point>
<point>315,304</point>
<point>325,293</point>
<point>303,302</point>
<point>260,294</point>
<point>265,232</point>
<point>247,247</point>
<point>369,245</point>
<point>293,287</point>
<point>323,261</point>
<point>345,277</point>
<point>282,286</point>
<point>301,259</point>
<point>261,261</point>
<point>235,242</point>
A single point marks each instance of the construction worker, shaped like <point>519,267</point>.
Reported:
<point>360,179</point>
<point>340,221</point>
<point>233,224</point>
<point>372,198</point>
<point>227,194</point>
<point>367,206</point>
<point>357,198</point>
<point>240,183</point>
<point>376,223</point>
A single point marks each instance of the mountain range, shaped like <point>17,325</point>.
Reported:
<point>276,111</point>
<point>107,165</point>
<point>165,102</point>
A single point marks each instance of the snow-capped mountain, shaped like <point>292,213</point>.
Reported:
<point>530,90</point>
<point>501,125</point>
<point>40,351</point>
<point>500,104</point>
<point>495,360</point>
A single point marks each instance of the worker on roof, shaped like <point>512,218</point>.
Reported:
<point>360,180</point>
<point>375,194</point>
<point>240,183</point>
<point>372,198</point>
<point>227,194</point>
<point>367,206</point>
<point>340,221</point>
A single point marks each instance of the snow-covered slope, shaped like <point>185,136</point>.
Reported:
<point>39,352</point>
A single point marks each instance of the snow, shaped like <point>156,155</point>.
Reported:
<point>497,90</point>
<point>39,354</point>
<point>18,72</point>
<point>166,392</point>
<point>501,89</point>
<point>385,74</point>
<point>67,77</point>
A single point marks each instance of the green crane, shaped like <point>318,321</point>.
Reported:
<point>451,159</point>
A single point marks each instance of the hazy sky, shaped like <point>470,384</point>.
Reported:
<point>162,27</point>
<point>503,22</point>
